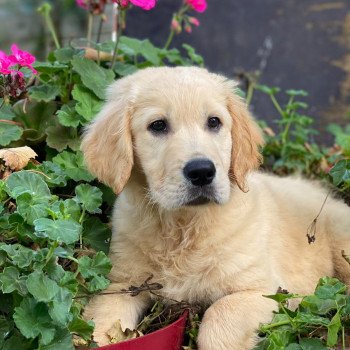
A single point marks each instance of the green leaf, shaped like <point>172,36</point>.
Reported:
<point>33,320</point>
<point>62,341</point>
<point>90,197</point>
<point>50,68</point>
<point>96,234</point>
<point>99,264</point>
<point>10,281</point>
<point>280,339</point>
<point>41,287</point>
<point>68,116</point>
<point>309,318</point>
<point>56,177</point>
<point>73,165</point>
<point>333,329</point>
<point>60,137</point>
<point>65,54</point>
<point>268,90</point>
<point>195,58</point>
<point>318,306</point>
<point>88,105</point>
<point>69,281</point>
<point>9,133</point>
<point>60,307</point>
<point>6,111</point>
<point>4,330</point>
<point>93,76</point>
<point>27,182</point>
<point>17,341</point>
<point>294,346</point>
<point>292,92</point>
<point>280,297</point>
<point>97,283</point>
<point>83,328</point>
<point>312,344</point>
<point>124,69</point>
<point>66,231</point>
<point>20,256</point>
<point>31,207</point>
<point>36,117</point>
<point>43,92</point>
<point>328,288</point>
<point>340,172</point>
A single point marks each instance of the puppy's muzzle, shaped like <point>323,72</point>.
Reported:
<point>200,172</point>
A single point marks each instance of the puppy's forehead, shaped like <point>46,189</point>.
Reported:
<point>184,85</point>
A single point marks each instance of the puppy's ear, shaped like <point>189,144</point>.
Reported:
<point>107,142</point>
<point>246,140</point>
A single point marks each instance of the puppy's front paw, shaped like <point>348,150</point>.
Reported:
<point>101,338</point>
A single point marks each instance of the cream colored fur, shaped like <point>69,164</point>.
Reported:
<point>250,240</point>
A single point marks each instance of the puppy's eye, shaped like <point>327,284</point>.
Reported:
<point>214,123</point>
<point>159,126</point>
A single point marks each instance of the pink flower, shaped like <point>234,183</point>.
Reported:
<point>82,3</point>
<point>5,63</point>
<point>188,28</point>
<point>197,5</point>
<point>175,25</point>
<point>23,58</point>
<point>194,21</point>
<point>144,4</point>
<point>122,3</point>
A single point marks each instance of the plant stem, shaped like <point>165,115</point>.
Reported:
<point>89,28</point>
<point>45,11</point>
<point>277,105</point>
<point>81,219</point>
<point>250,93</point>
<point>119,22</point>
<point>100,29</point>
<point>273,325</point>
<point>170,39</point>
<point>176,15</point>
<point>343,337</point>
<point>51,251</point>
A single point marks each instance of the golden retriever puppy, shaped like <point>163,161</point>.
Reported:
<point>180,148</point>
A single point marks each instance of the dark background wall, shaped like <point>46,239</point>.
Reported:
<point>301,44</point>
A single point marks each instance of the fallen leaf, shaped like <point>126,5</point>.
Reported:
<point>116,334</point>
<point>17,158</point>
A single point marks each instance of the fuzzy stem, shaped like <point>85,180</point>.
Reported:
<point>277,105</point>
<point>45,11</point>
<point>170,39</point>
<point>120,18</point>
<point>89,28</point>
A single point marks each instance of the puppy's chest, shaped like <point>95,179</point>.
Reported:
<point>192,276</point>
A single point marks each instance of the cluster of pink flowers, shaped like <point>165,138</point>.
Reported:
<point>93,4</point>
<point>10,64</point>
<point>197,5</point>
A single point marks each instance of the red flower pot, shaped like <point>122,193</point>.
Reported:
<point>167,338</point>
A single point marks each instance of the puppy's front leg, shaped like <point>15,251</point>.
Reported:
<point>106,309</point>
<point>231,322</point>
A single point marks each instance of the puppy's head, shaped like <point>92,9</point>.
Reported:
<point>187,130</point>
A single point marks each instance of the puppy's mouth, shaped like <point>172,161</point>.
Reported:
<point>199,201</point>
<point>201,196</point>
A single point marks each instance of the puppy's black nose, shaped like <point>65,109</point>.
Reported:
<point>200,172</point>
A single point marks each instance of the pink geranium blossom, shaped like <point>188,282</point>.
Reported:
<point>23,58</point>
<point>82,3</point>
<point>197,5</point>
<point>5,63</point>
<point>194,21</point>
<point>144,4</point>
